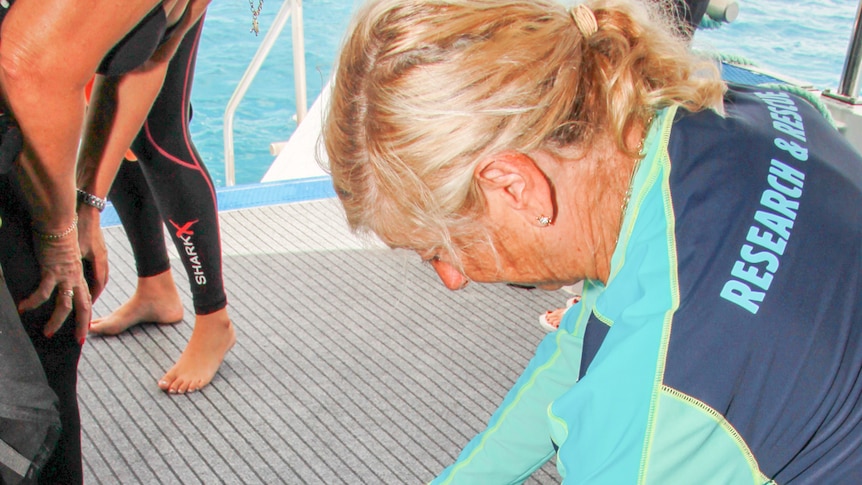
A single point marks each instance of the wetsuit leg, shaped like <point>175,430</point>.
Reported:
<point>135,204</point>
<point>29,417</point>
<point>183,189</point>
<point>59,354</point>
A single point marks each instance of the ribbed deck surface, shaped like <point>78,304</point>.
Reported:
<point>353,364</point>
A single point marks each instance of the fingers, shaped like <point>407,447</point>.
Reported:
<point>97,273</point>
<point>100,278</point>
<point>64,302</point>
<point>38,297</point>
<point>83,314</point>
<point>62,269</point>
<point>94,252</point>
<point>62,307</point>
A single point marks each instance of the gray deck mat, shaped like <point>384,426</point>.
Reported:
<point>353,364</point>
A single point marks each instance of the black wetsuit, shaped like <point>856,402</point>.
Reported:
<point>58,354</point>
<point>170,184</point>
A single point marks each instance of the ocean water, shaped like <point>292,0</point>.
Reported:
<point>804,39</point>
<point>266,113</point>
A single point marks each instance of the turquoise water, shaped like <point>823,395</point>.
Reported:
<point>804,39</point>
<point>265,114</point>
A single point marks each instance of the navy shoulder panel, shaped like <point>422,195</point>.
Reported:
<point>768,224</point>
<point>594,335</point>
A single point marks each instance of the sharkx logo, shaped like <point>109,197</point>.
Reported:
<point>185,229</point>
<point>184,233</point>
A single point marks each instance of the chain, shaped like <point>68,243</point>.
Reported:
<point>641,155</point>
<point>255,13</point>
<point>47,236</point>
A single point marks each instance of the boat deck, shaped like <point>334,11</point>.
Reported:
<point>353,364</point>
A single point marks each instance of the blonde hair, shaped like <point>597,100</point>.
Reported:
<point>425,89</point>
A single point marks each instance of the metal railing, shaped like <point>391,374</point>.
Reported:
<point>288,7</point>
<point>848,86</point>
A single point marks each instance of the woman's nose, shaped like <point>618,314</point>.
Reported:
<point>449,275</point>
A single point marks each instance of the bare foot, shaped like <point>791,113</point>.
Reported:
<point>212,338</point>
<point>551,319</point>
<point>555,316</point>
<point>155,300</point>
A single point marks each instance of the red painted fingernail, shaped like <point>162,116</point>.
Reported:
<point>83,339</point>
<point>49,335</point>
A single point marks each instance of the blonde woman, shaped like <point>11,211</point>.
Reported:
<point>718,232</point>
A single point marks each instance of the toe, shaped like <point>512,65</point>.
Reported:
<point>168,382</point>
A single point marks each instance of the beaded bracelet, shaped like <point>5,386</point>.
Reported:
<point>51,237</point>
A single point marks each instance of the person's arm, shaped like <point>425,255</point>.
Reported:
<point>119,106</point>
<point>48,52</point>
<point>517,439</point>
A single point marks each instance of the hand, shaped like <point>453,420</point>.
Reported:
<point>60,262</point>
<point>92,244</point>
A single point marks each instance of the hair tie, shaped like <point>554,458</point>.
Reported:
<point>585,19</point>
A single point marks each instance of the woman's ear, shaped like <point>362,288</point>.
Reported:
<point>513,180</point>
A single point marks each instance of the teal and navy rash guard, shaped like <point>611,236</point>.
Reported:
<point>726,346</point>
